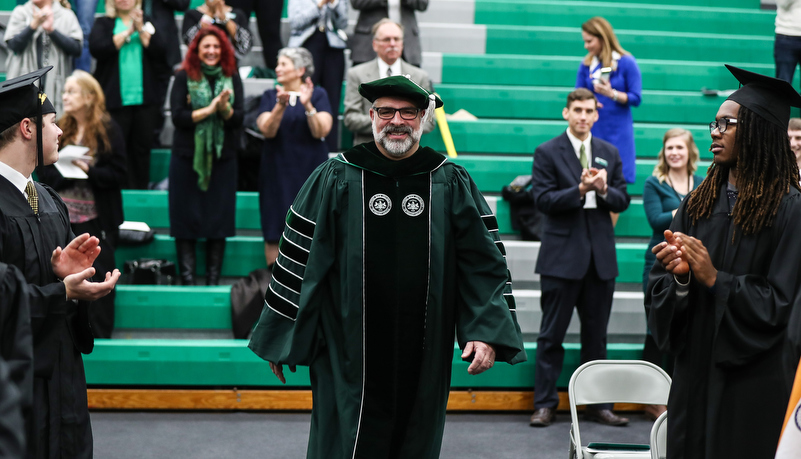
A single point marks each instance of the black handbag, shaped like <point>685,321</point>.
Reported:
<point>149,271</point>
<point>524,215</point>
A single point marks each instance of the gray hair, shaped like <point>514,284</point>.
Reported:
<point>374,29</point>
<point>300,57</point>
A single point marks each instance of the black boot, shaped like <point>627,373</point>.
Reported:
<point>185,248</point>
<point>215,252</point>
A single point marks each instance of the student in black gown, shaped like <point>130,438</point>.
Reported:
<point>35,236</point>
<point>16,362</point>
<point>94,204</point>
<point>727,279</point>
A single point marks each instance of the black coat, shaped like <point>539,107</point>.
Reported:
<point>164,22</point>
<point>183,141</point>
<point>16,362</point>
<point>730,385</point>
<point>571,234</point>
<point>61,330</point>
<point>106,178</point>
<point>107,72</point>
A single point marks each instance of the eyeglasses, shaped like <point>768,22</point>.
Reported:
<point>387,113</point>
<point>721,124</point>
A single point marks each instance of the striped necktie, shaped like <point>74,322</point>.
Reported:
<point>33,198</point>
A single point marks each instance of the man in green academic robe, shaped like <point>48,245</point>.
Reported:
<point>389,249</point>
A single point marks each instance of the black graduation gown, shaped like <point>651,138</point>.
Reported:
<point>16,362</point>
<point>730,388</point>
<point>12,436</point>
<point>61,330</point>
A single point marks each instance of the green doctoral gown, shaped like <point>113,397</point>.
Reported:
<point>380,263</point>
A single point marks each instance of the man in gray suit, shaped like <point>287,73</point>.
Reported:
<point>400,11</point>
<point>388,44</point>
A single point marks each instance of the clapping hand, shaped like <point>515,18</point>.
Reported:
<point>138,19</point>
<point>669,254</point>
<point>39,17</point>
<point>78,256</point>
<point>223,97</point>
<point>49,19</point>
<point>281,95</point>
<point>696,255</point>
<point>306,90</point>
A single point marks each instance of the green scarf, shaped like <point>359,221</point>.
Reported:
<point>210,132</point>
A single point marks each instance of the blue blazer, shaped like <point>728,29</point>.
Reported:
<point>572,235</point>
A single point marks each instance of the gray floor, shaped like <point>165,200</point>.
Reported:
<point>214,435</point>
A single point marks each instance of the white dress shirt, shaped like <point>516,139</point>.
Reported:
<point>383,66</point>
<point>13,176</point>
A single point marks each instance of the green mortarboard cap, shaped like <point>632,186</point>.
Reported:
<point>770,98</point>
<point>20,98</point>
<point>399,86</point>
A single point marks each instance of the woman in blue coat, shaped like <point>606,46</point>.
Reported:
<point>612,74</point>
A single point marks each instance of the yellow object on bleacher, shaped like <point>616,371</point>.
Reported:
<point>442,122</point>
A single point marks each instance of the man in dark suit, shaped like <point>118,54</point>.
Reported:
<point>388,42</point>
<point>577,180</point>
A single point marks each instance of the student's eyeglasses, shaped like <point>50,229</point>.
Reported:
<point>387,113</point>
<point>721,124</point>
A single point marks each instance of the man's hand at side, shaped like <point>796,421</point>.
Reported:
<point>79,255</point>
<point>278,370</point>
<point>483,356</point>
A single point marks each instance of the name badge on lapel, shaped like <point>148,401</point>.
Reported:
<point>601,161</point>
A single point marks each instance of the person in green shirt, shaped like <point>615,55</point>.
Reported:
<point>389,253</point>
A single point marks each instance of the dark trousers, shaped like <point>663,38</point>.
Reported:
<point>787,54</point>
<point>268,17</point>
<point>101,312</point>
<point>137,123</point>
<point>592,298</point>
<point>329,70</point>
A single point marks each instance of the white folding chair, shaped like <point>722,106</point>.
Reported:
<point>614,381</point>
<point>659,437</point>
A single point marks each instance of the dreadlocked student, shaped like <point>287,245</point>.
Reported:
<point>721,293</point>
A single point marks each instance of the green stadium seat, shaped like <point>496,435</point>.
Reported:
<point>660,17</point>
<point>643,44</point>
<point>172,307</point>
<point>246,253</point>
<point>532,102</point>
<point>522,137</point>
<point>535,70</point>
<point>199,363</point>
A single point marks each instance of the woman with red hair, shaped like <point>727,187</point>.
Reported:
<point>206,104</point>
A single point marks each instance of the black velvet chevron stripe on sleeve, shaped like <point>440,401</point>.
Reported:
<point>280,304</point>
<point>490,222</point>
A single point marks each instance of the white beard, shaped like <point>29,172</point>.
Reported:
<point>396,148</point>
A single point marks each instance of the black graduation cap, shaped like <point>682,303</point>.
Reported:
<point>20,98</point>
<point>770,98</point>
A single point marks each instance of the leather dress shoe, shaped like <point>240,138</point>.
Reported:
<point>605,417</point>
<point>543,417</point>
